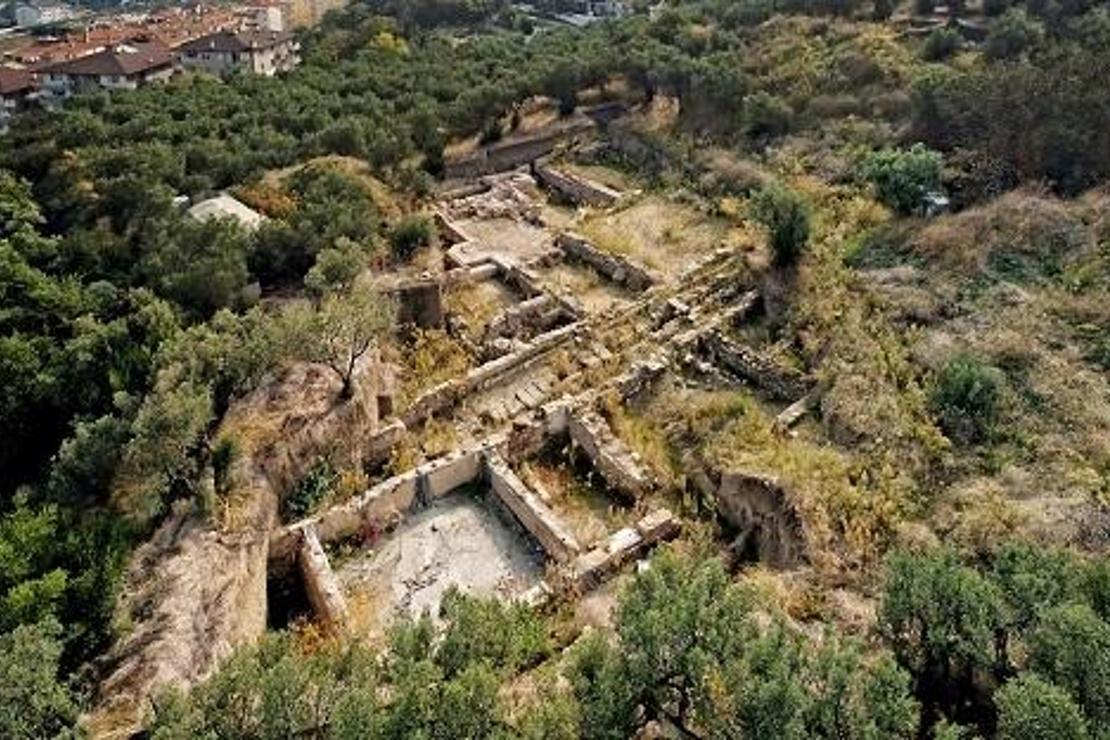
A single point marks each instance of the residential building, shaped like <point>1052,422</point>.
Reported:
<point>16,87</point>
<point>253,51</point>
<point>123,67</point>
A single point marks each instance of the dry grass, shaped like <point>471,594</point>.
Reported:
<point>1024,224</point>
<point>658,233</point>
<point>850,510</point>
<point>875,399</point>
<point>477,303</point>
<point>589,513</point>
<point>431,358</point>
<point>608,176</point>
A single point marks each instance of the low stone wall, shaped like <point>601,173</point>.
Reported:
<point>573,188</point>
<point>447,229</point>
<point>519,278</point>
<point>486,374</point>
<point>542,523</point>
<point>384,505</point>
<point>609,454</point>
<point>616,268</point>
<point>506,155</point>
<point>539,313</point>
<point>592,568</point>
<point>773,378</point>
<point>320,584</point>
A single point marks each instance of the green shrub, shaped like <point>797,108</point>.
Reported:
<point>766,116</point>
<point>941,44</point>
<point>491,132</point>
<point>966,397</point>
<point>1012,35</point>
<point>786,215</point>
<point>410,233</point>
<point>882,10</point>
<point>1030,708</point>
<point>224,453</point>
<point>902,178</point>
<point>33,702</point>
<point>311,490</point>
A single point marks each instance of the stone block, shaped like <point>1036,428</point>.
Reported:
<point>445,475</point>
<point>320,584</point>
<point>540,521</point>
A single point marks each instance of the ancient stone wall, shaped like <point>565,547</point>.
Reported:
<point>320,585</point>
<point>777,380</point>
<point>610,456</point>
<point>616,268</point>
<point>542,523</point>
<point>597,565</point>
<point>507,155</point>
<point>576,189</point>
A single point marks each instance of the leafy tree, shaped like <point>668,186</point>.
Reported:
<point>1012,35</point>
<point>410,233</point>
<point>508,637</point>
<point>882,10</point>
<point>159,461</point>
<point>903,178</point>
<point>339,331</point>
<point>941,618</point>
<point>33,702</point>
<point>786,216</point>
<point>766,117</point>
<point>1030,708</point>
<point>203,267</point>
<point>941,44</point>
<point>277,690</point>
<point>1071,647</point>
<point>336,268</point>
<point>687,650</point>
<point>1033,579</point>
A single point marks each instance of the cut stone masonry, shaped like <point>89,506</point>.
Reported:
<point>618,269</point>
<point>611,457</point>
<point>320,584</point>
<point>775,379</point>
<point>530,511</point>
<point>574,188</point>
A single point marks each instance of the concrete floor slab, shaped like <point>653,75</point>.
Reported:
<point>458,540</point>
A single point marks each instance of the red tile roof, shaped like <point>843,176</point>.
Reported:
<point>15,81</point>
<point>124,60</point>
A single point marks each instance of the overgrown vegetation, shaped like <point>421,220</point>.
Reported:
<point>127,329</point>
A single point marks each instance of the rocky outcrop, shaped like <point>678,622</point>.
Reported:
<point>196,590</point>
<point>768,527</point>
